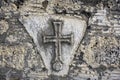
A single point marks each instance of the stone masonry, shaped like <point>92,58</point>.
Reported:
<point>59,39</point>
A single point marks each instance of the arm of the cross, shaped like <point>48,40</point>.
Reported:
<point>67,38</point>
<point>49,39</point>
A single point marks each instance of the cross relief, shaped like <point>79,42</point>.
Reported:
<point>57,38</point>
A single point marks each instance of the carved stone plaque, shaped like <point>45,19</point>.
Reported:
<point>57,39</point>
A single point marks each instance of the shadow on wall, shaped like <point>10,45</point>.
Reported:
<point>16,2</point>
<point>8,73</point>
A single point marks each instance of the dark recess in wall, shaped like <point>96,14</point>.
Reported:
<point>16,2</point>
<point>19,2</point>
<point>91,2</point>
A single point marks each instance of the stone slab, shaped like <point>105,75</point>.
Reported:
<point>37,26</point>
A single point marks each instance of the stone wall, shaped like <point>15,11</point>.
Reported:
<point>97,56</point>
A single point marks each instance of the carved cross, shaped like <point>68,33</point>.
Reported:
<point>57,39</point>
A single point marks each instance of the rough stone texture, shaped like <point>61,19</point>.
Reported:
<point>4,27</point>
<point>97,56</point>
<point>38,26</point>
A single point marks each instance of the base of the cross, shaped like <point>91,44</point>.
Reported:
<point>57,66</point>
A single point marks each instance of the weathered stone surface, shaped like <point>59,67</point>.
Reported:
<point>10,56</point>
<point>3,26</point>
<point>97,56</point>
<point>37,27</point>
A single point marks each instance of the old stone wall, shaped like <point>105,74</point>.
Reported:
<point>96,55</point>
